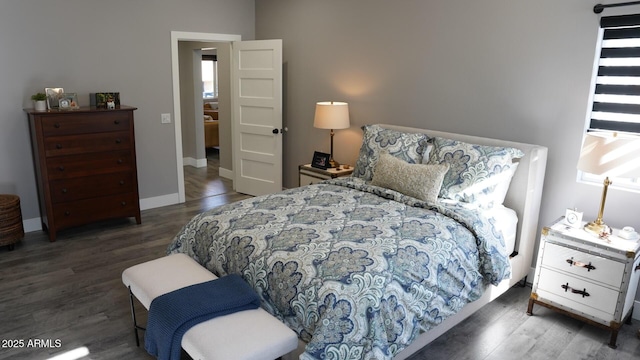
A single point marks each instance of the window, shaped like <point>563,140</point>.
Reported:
<point>615,103</point>
<point>209,76</point>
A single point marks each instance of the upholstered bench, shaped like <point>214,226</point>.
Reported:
<point>249,334</point>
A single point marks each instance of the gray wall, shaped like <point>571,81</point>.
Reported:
<point>88,46</point>
<point>516,70</point>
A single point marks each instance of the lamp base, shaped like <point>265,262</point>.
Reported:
<point>597,228</point>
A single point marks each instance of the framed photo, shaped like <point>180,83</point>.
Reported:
<point>320,160</point>
<point>53,95</point>
<point>105,100</point>
<point>68,101</point>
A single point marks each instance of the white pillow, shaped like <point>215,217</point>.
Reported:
<point>420,181</point>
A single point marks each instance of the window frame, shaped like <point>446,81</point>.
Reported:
<point>214,58</point>
<point>632,185</point>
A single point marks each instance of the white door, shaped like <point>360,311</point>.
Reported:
<point>257,116</point>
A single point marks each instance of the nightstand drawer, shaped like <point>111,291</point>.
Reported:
<point>308,175</point>
<point>588,266</point>
<point>577,293</point>
<point>308,180</point>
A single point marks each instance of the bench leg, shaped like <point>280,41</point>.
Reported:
<point>136,327</point>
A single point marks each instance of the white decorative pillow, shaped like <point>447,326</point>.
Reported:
<point>409,147</point>
<point>475,170</point>
<point>420,181</point>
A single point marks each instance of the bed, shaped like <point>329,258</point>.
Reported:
<point>430,227</point>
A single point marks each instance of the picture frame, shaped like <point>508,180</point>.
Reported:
<point>104,100</point>
<point>320,160</point>
<point>68,101</point>
<point>53,95</point>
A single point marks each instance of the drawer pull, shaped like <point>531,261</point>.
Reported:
<point>64,191</point>
<point>124,203</point>
<point>582,292</point>
<point>117,122</point>
<point>58,146</point>
<point>119,161</point>
<point>61,168</point>
<point>56,125</point>
<point>67,213</point>
<point>588,266</point>
<point>118,141</point>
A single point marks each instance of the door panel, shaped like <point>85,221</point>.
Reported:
<point>257,105</point>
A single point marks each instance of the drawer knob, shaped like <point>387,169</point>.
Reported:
<point>67,213</point>
<point>58,146</point>
<point>124,203</point>
<point>582,292</point>
<point>118,141</point>
<point>64,191</point>
<point>119,161</point>
<point>117,122</point>
<point>61,168</point>
<point>56,125</point>
<point>588,266</point>
<point>121,182</point>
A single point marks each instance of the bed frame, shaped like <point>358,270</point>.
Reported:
<point>524,197</point>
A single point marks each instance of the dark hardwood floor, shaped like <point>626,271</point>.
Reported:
<point>69,294</point>
<point>206,181</point>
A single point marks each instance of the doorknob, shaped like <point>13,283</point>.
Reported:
<point>275,131</point>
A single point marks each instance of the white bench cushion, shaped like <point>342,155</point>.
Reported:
<point>250,334</point>
<point>160,276</point>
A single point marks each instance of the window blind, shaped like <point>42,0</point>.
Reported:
<point>616,99</point>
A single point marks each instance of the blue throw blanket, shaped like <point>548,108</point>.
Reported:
<point>172,314</point>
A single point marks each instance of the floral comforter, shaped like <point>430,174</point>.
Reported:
<point>357,271</point>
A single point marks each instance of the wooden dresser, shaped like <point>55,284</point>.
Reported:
<point>85,163</point>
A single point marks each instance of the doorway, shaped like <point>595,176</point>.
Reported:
<point>181,101</point>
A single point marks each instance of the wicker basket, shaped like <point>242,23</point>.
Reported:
<point>11,230</point>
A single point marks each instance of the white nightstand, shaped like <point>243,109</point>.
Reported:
<point>586,277</point>
<point>308,175</point>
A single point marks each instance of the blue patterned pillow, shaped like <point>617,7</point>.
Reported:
<point>405,146</point>
<point>475,171</point>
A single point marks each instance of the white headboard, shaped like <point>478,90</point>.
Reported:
<point>524,193</point>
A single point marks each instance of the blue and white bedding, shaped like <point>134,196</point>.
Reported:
<point>357,271</point>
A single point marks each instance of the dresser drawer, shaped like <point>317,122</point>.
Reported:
<point>600,300</point>
<point>81,123</point>
<point>89,164</point>
<point>89,210</point>
<point>591,267</point>
<point>86,187</point>
<point>81,144</point>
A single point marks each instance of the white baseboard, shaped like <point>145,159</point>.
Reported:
<point>225,173</point>
<point>159,201</point>
<point>198,163</point>
<point>531,275</point>
<point>34,224</point>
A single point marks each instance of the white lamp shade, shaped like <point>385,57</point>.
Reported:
<point>331,115</point>
<point>610,154</point>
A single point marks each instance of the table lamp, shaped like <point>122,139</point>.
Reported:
<point>611,155</point>
<point>331,115</point>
